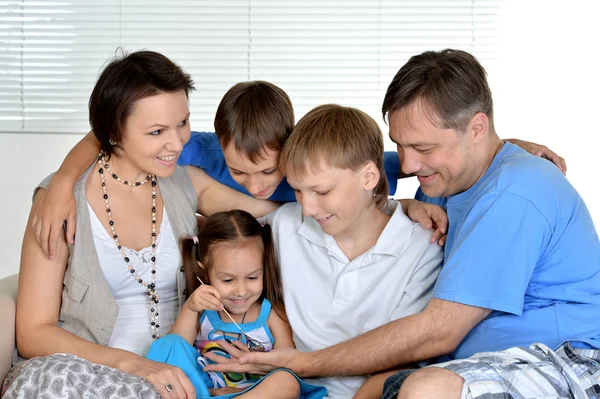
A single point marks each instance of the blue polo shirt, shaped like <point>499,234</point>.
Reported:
<point>522,243</point>
<point>203,150</point>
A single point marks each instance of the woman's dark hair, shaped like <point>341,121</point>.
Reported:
<point>126,80</point>
<point>234,226</point>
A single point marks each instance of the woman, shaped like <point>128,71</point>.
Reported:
<point>88,315</point>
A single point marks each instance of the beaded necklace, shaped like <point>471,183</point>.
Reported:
<point>150,287</point>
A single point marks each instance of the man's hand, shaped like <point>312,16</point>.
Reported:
<point>57,207</point>
<point>541,151</point>
<point>258,363</point>
<point>429,216</point>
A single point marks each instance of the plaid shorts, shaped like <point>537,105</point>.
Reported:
<point>523,373</point>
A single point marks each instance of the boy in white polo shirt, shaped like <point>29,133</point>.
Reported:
<point>350,260</point>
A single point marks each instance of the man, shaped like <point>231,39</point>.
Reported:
<point>522,257</point>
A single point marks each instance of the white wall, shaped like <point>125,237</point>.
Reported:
<point>26,160</point>
<point>545,85</point>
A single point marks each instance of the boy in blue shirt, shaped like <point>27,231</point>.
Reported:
<point>252,122</point>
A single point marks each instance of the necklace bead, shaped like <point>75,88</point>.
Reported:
<point>102,163</point>
<point>151,291</point>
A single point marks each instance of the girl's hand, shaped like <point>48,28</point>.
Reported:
<point>162,376</point>
<point>205,297</point>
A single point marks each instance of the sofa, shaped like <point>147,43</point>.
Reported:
<point>8,295</point>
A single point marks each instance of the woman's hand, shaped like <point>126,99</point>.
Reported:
<point>205,297</point>
<point>429,216</point>
<point>169,381</point>
<point>57,206</point>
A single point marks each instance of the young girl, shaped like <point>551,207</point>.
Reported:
<point>235,295</point>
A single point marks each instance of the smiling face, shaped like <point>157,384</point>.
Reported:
<point>237,273</point>
<point>154,134</point>
<point>338,199</point>
<point>440,158</point>
<point>261,178</point>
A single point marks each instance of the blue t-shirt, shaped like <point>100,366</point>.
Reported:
<point>522,243</point>
<point>203,150</point>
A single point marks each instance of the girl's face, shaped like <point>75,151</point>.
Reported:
<point>237,273</point>
<point>155,133</point>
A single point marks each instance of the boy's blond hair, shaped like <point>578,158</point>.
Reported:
<point>338,136</point>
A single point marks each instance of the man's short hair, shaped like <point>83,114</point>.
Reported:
<point>255,116</point>
<point>451,83</point>
<point>340,137</point>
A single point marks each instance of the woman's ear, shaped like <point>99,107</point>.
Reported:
<point>200,264</point>
<point>371,175</point>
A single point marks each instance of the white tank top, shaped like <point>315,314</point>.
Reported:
<point>132,329</point>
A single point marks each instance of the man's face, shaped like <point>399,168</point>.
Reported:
<point>440,158</point>
<point>260,179</point>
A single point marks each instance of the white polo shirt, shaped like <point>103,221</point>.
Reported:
<point>330,299</point>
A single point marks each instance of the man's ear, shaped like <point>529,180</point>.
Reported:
<point>371,175</point>
<point>479,127</point>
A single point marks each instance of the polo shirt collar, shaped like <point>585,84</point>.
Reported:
<point>393,238</point>
<point>396,234</point>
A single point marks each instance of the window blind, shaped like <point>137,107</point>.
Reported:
<point>346,52</point>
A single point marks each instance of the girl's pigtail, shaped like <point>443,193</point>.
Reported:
<point>272,277</point>
<point>191,269</point>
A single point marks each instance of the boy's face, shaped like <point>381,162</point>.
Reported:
<point>336,198</point>
<point>260,179</point>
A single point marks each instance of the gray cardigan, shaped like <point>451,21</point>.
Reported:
<point>88,307</point>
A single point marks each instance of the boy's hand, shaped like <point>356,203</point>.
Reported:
<point>205,297</point>
<point>429,216</point>
<point>56,207</point>
<point>541,151</point>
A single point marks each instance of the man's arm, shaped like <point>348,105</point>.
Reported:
<point>436,331</point>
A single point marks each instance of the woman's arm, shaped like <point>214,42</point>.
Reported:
<point>214,197</point>
<point>38,308</point>
<point>57,203</point>
<point>281,330</point>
